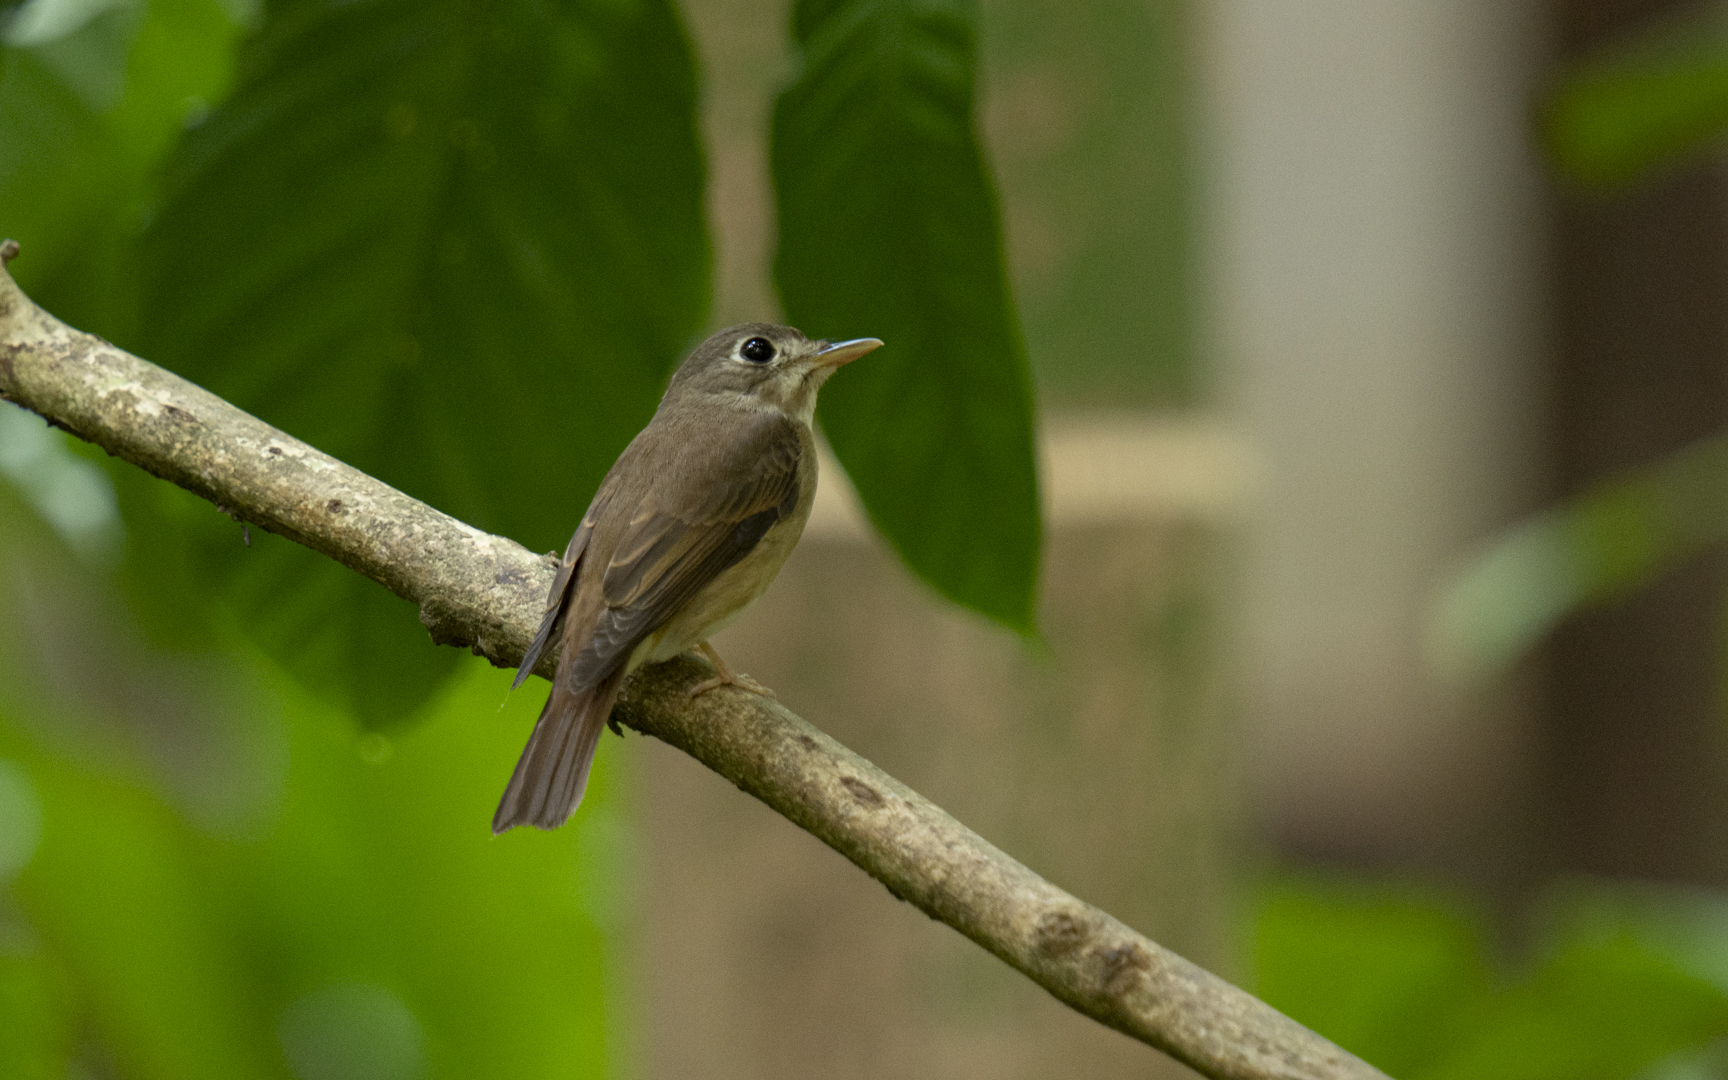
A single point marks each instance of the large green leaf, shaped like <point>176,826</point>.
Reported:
<point>888,227</point>
<point>456,243</point>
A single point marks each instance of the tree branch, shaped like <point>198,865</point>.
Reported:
<point>485,592</point>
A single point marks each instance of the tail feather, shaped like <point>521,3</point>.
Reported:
<point>552,773</point>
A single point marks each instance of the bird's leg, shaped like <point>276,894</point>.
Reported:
<point>725,678</point>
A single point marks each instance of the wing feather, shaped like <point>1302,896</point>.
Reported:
<point>685,533</point>
<point>558,599</point>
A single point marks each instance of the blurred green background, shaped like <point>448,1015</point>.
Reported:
<point>242,801</point>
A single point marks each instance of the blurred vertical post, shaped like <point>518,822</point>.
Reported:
<point>1372,267</point>
<point>1634,733</point>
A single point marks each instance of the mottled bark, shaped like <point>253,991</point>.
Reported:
<point>485,592</point>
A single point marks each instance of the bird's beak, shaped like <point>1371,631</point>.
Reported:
<point>835,353</point>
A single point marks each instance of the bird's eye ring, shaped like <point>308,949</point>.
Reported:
<point>758,350</point>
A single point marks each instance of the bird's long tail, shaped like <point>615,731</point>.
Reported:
<point>549,779</point>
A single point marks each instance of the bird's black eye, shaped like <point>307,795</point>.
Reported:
<point>758,350</point>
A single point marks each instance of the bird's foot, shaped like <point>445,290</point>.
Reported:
<point>726,676</point>
<point>743,682</point>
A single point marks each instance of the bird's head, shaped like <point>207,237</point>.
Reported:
<point>763,366</point>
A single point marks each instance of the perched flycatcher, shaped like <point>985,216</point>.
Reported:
<point>690,526</point>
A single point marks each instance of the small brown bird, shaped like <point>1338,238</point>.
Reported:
<point>690,526</point>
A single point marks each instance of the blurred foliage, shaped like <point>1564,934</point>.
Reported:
<point>1087,114</point>
<point>1608,541</point>
<point>206,872</point>
<point>888,221</point>
<point>1646,102</point>
<point>1611,120</point>
<point>91,96</point>
<point>1621,982</point>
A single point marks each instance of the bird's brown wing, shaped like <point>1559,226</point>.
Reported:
<point>693,523</point>
<point>558,600</point>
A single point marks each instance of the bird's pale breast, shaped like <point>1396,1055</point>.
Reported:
<point>738,586</point>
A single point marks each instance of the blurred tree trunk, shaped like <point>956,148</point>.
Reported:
<point>1634,728</point>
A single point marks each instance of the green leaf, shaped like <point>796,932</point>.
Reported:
<point>198,860</point>
<point>1613,118</point>
<point>1402,980</point>
<point>888,228</point>
<point>129,917</point>
<point>1615,537</point>
<point>373,871</point>
<point>1600,1008</point>
<point>1388,973</point>
<point>35,1022</point>
<point>457,244</point>
<point>86,114</point>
